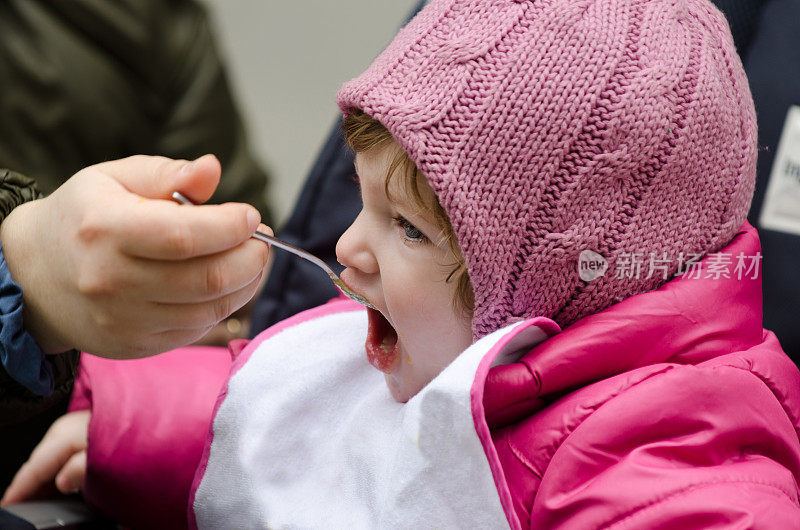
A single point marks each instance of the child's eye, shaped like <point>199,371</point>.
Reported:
<point>410,232</point>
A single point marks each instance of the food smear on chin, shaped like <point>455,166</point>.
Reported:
<point>381,343</point>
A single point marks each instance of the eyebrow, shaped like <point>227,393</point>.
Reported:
<point>355,178</point>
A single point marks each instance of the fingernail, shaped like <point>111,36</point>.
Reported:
<point>265,229</point>
<point>253,218</point>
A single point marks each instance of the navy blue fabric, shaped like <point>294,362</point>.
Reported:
<point>328,204</point>
<point>743,17</point>
<point>21,357</point>
<point>772,61</point>
<point>767,36</point>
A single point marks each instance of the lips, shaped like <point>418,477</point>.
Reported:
<point>381,344</point>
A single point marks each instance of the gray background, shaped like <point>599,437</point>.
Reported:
<point>286,60</point>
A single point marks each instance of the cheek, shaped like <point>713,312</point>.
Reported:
<point>414,295</point>
<point>430,329</point>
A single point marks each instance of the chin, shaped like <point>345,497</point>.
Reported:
<point>399,392</point>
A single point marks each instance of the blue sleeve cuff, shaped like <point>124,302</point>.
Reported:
<point>21,357</point>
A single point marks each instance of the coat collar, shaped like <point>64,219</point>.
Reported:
<point>685,321</point>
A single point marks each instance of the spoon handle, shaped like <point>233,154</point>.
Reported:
<point>293,249</point>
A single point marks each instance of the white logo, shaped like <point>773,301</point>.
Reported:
<point>781,207</point>
<point>591,265</point>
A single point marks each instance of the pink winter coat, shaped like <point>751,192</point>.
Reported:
<point>671,409</point>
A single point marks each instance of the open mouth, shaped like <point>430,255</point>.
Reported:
<point>381,344</point>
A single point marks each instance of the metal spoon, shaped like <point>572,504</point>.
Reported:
<point>179,197</point>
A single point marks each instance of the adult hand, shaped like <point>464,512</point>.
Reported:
<point>107,270</point>
<point>60,457</point>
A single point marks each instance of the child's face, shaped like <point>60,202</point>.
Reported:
<point>394,257</point>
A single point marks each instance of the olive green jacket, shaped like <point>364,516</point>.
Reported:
<point>84,81</point>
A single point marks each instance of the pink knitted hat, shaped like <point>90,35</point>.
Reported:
<point>549,127</point>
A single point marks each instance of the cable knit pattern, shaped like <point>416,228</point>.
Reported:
<point>547,127</point>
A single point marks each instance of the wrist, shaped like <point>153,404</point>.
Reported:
<point>24,253</point>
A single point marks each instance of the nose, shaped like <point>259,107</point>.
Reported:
<point>353,249</point>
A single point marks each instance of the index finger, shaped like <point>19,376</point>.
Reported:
<point>42,467</point>
<point>165,230</point>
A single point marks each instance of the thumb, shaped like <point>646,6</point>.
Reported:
<point>156,177</point>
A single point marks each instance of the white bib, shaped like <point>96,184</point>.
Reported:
<point>308,436</point>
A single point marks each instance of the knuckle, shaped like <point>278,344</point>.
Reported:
<point>214,279</point>
<point>179,241</point>
<point>98,313</point>
<point>92,282</point>
<point>91,227</point>
<point>103,320</point>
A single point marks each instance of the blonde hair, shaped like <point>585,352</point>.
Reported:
<point>362,132</point>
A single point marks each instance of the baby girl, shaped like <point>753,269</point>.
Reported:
<point>537,179</point>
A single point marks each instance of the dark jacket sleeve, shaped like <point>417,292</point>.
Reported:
<point>14,190</point>
<point>772,64</point>
<point>16,402</point>
<point>82,82</point>
<point>328,204</point>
